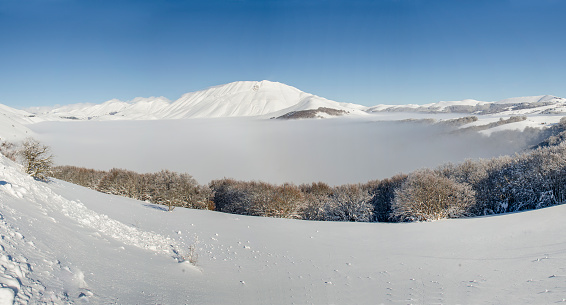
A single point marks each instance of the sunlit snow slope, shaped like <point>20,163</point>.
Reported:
<point>237,99</point>
<point>12,123</point>
<point>268,99</point>
<point>66,244</point>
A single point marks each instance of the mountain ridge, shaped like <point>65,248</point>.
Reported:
<point>267,99</point>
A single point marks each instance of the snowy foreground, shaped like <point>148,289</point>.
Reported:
<point>62,243</point>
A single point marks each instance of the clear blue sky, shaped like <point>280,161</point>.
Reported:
<point>365,52</point>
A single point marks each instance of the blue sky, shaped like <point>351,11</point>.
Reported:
<point>365,52</point>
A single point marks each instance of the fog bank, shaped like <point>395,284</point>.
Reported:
<point>336,151</point>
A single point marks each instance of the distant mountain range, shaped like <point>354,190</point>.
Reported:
<point>237,99</point>
<point>266,99</point>
<point>543,104</point>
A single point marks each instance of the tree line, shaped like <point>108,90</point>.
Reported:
<point>529,180</point>
<point>164,187</point>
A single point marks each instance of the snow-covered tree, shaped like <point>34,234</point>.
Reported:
<point>426,195</point>
<point>342,203</point>
<point>382,197</point>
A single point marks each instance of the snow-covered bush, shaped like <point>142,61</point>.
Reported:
<point>341,203</point>
<point>426,195</point>
<point>9,150</point>
<point>284,202</point>
<point>316,195</point>
<point>349,203</point>
<point>527,181</point>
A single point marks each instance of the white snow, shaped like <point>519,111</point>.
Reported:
<point>61,243</point>
<point>237,99</point>
<point>527,99</point>
<point>56,248</point>
<point>11,130</point>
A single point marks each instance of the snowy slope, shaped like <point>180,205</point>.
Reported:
<point>65,244</point>
<point>12,123</point>
<point>138,108</point>
<point>432,107</point>
<point>528,99</point>
<point>268,99</point>
<point>544,104</point>
<point>237,99</point>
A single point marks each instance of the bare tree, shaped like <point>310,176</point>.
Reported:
<point>37,159</point>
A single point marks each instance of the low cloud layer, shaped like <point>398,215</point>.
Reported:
<point>335,151</point>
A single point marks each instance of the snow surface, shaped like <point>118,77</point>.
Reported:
<point>527,99</point>
<point>62,244</point>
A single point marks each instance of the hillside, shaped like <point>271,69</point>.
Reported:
<point>66,244</point>
<point>528,105</point>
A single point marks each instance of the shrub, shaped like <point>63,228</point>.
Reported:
<point>343,203</point>
<point>349,203</point>
<point>9,150</point>
<point>527,181</point>
<point>257,198</point>
<point>426,195</point>
<point>121,182</point>
<point>37,159</point>
<point>82,176</point>
<point>174,189</point>
<point>230,196</point>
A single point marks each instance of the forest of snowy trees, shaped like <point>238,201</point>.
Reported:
<point>529,180</point>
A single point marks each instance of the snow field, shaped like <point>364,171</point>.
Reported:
<point>59,227</point>
<point>63,243</point>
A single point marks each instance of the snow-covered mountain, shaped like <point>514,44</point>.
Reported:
<point>268,99</point>
<point>237,99</point>
<point>248,98</point>
<point>138,108</point>
<point>12,123</point>
<point>544,104</point>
